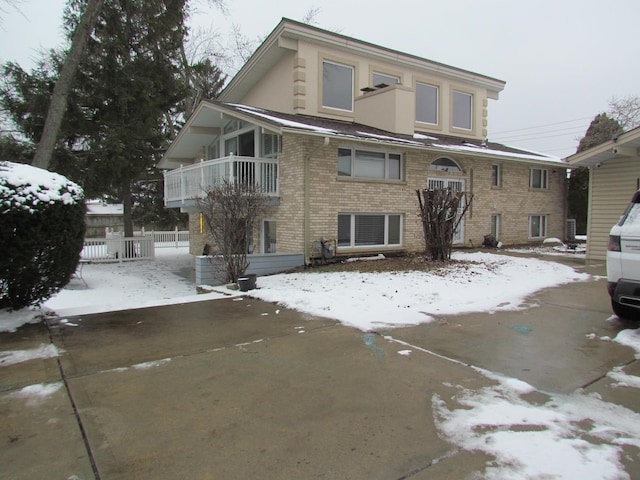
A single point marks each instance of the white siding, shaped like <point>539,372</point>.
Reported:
<point>611,187</point>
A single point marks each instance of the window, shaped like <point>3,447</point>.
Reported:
<point>337,85</point>
<point>537,226</point>
<point>462,108</point>
<point>496,175</point>
<point>369,230</point>
<point>369,164</point>
<point>269,145</point>
<point>268,236</point>
<point>445,165</point>
<point>496,220</point>
<point>213,149</point>
<point>538,178</point>
<point>383,78</point>
<point>426,103</point>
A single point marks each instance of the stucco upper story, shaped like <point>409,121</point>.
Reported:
<point>307,70</point>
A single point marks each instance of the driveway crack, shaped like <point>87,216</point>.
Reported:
<point>76,413</point>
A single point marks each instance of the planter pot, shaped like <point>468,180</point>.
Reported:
<point>247,282</point>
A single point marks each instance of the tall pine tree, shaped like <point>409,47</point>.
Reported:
<point>130,79</point>
<point>131,93</point>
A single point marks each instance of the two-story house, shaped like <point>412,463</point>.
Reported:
<point>341,133</point>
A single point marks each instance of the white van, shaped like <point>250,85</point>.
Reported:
<point>623,263</point>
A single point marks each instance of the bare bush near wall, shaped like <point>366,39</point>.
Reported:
<point>440,214</point>
<point>231,212</point>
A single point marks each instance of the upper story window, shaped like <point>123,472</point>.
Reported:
<point>242,144</point>
<point>269,145</point>
<point>496,175</point>
<point>384,79</point>
<point>462,110</point>
<point>445,165</point>
<point>369,164</point>
<point>337,85</point>
<point>427,103</point>
<point>538,178</point>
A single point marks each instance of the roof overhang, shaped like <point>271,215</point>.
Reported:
<point>208,119</point>
<point>284,38</point>
<point>624,146</point>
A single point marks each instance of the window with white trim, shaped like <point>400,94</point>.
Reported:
<point>369,164</point>
<point>496,175</point>
<point>337,85</point>
<point>538,178</point>
<point>269,145</point>
<point>538,226</point>
<point>462,110</point>
<point>427,103</point>
<point>369,230</point>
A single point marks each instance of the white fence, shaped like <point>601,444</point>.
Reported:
<point>175,238</point>
<point>117,248</point>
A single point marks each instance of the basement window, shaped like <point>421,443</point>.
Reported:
<point>369,230</point>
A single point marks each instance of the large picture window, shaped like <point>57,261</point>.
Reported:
<point>462,109</point>
<point>426,103</point>
<point>369,230</point>
<point>369,164</point>
<point>337,85</point>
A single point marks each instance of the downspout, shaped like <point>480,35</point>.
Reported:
<point>307,200</point>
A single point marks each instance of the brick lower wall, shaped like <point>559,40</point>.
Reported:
<point>330,195</point>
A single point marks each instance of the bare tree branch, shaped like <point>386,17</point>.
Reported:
<point>626,111</point>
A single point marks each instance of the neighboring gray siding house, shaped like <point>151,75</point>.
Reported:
<point>614,176</point>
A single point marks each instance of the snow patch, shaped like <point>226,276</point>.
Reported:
<point>11,357</point>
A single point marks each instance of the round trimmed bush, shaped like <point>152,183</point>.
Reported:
<point>41,233</point>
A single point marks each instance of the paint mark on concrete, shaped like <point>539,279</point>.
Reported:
<point>369,340</point>
<point>521,328</point>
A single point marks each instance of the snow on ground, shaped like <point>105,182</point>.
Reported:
<point>565,436</point>
<point>10,357</point>
<point>369,301</point>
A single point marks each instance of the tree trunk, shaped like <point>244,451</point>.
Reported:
<point>58,104</point>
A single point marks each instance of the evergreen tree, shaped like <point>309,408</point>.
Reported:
<point>601,129</point>
<point>131,93</point>
<point>130,78</point>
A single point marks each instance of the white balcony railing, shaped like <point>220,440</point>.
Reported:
<point>192,181</point>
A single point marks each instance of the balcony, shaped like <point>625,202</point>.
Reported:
<point>184,185</point>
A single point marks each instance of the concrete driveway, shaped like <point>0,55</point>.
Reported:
<point>238,388</point>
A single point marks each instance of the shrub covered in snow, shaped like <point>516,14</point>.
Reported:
<point>41,233</point>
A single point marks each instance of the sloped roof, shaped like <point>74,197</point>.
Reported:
<point>625,145</point>
<point>344,129</point>
<point>213,113</point>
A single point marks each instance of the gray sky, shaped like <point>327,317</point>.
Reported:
<point>563,60</point>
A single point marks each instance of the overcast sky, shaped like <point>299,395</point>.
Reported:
<point>563,60</point>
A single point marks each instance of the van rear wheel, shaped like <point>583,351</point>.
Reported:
<point>624,311</point>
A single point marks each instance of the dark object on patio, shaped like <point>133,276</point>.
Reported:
<point>490,241</point>
<point>247,282</point>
